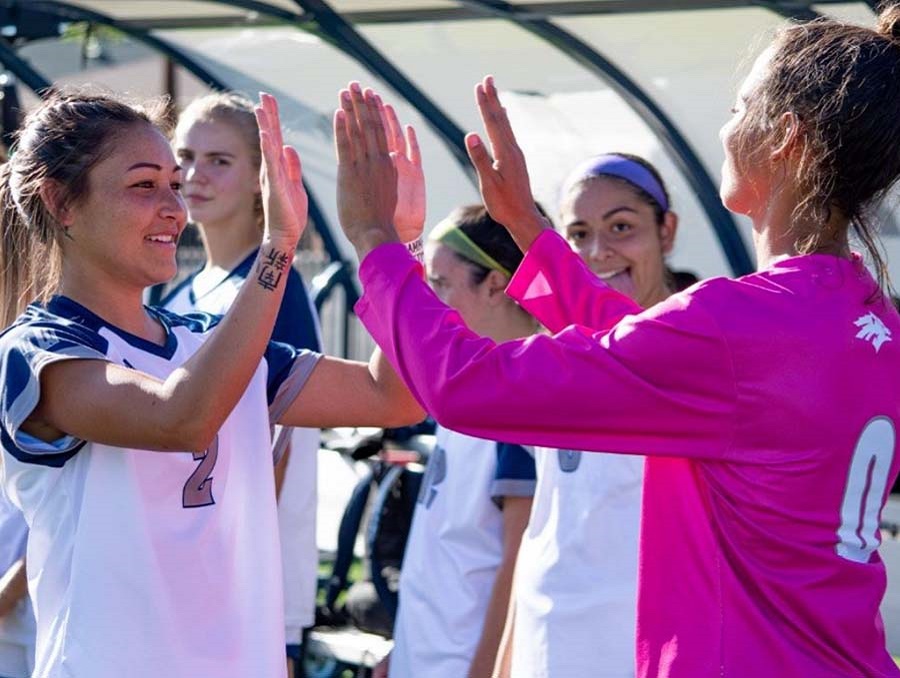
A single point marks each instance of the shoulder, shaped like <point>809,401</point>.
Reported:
<point>40,330</point>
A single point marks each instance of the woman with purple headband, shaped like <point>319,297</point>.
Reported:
<point>570,590</point>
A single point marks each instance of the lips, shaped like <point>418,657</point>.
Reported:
<point>163,238</point>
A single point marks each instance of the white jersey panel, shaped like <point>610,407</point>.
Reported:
<point>17,629</point>
<point>454,549</point>
<point>147,564</point>
<point>576,571</point>
<point>298,498</point>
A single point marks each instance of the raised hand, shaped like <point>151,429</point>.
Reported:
<point>409,216</point>
<point>367,178</point>
<point>284,199</point>
<point>503,178</point>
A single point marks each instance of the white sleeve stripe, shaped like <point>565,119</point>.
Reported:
<point>22,407</point>
<point>513,487</point>
<point>281,443</point>
<point>290,388</point>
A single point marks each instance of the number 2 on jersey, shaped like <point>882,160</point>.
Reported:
<point>867,481</point>
<point>198,488</point>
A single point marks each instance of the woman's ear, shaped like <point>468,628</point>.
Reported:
<point>789,134</point>
<point>496,284</point>
<point>667,230</point>
<point>54,200</point>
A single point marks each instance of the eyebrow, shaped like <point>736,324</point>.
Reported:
<point>151,165</point>
<point>619,209</point>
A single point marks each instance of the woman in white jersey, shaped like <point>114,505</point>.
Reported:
<point>573,610</point>
<point>216,144</point>
<point>476,494</point>
<point>138,442</point>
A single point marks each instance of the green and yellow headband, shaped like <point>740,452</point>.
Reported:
<point>450,235</point>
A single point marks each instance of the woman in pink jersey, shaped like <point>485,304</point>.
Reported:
<point>767,405</point>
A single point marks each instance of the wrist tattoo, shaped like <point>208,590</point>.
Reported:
<point>272,265</point>
<point>417,249</point>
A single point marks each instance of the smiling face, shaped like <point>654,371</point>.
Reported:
<point>221,176</point>
<point>617,235</point>
<point>125,229</point>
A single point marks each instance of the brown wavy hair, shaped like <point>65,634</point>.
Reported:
<point>842,82</point>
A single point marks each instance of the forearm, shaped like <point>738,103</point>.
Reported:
<point>494,621</point>
<point>555,286</point>
<point>208,386</point>
<point>503,663</point>
<point>13,587</point>
<point>613,391</point>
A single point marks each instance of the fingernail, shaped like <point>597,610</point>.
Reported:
<point>356,87</point>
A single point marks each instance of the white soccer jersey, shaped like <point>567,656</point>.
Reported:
<point>17,629</point>
<point>454,549</point>
<point>147,564</point>
<point>576,572</point>
<point>297,325</point>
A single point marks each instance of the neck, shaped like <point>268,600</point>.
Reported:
<point>228,243</point>
<point>116,303</point>
<point>661,294</point>
<point>777,230</point>
<point>511,323</point>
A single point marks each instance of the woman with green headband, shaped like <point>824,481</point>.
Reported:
<point>476,495</point>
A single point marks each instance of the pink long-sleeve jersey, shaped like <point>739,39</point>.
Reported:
<point>767,407</point>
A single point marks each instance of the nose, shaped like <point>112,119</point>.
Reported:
<point>191,172</point>
<point>173,207</point>
<point>599,249</point>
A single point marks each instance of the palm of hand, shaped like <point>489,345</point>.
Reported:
<point>409,215</point>
<point>284,198</point>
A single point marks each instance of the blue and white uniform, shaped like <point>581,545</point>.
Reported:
<point>576,572</point>
<point>16,628</point>
<point>454,549</point>
<point>140,563</point>
<point>297,324</point>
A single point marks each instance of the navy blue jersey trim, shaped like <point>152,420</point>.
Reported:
<point>72,310</point>
<point>187,282</point>
<point>57,460</point>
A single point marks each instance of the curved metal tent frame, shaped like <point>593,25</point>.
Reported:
<point>337,28</point>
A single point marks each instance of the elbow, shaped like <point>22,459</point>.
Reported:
<point>189,434</point>
<point>407,413</point>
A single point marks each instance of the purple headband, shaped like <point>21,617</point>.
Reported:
<point>617,166</point>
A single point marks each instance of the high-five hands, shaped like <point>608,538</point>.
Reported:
<point>366,177</point>
<point>503,178</point>
<point>284,199</point>
<point>409,216</point>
